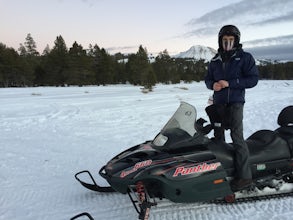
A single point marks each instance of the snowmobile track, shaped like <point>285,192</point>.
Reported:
<point>253,198</point>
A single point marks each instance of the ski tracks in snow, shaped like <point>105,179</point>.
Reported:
<point>115,206</point>
<point>46,138</point>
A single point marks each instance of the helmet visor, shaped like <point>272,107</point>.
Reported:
<point>228,42</point>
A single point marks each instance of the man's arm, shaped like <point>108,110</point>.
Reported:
<point>249,76</point>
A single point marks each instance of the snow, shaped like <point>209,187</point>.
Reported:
<point>48,134</point>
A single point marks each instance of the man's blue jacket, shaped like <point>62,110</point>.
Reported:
<point>241,73</point>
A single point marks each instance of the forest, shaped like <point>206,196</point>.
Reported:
<point>61,66</point>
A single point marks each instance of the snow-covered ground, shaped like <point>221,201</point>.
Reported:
<point>49,134</point>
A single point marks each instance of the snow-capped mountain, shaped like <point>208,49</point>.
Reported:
<point>198,52</point>
<point>207,53</point>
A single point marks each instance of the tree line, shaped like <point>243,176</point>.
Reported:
<point>61,66</point>
<point>278,71</point>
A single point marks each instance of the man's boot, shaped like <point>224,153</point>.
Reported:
<point>238,184</point>
<point>219,132</point>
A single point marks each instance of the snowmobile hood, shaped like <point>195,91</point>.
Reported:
<point>177,141</point>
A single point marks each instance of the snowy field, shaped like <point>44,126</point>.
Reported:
<point>49,134</point>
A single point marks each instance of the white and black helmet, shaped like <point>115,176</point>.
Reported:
<point>229,30</point>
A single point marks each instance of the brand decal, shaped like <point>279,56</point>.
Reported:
<point>204,167</point>
<point>136,167</point>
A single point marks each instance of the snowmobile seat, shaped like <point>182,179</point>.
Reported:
<point>285,120</point>
<point>263,145</point>
<point>286,133</point>
<point>224,152</point>
<point>267,145</point>
<point>285,117</point>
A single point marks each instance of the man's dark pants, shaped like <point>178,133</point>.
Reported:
<point>241,149</point>
<point>230,116</point>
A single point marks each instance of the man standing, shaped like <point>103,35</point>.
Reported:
<point>230,72</point>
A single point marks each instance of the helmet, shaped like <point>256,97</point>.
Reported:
<point>229,30</point>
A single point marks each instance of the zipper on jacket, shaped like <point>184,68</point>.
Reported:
<point>224,71</point>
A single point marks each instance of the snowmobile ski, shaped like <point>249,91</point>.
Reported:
<point>94,186</point>
<point>82,215</point>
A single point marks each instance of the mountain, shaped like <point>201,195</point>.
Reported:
<point>198,52</point>
<point>263,55</point>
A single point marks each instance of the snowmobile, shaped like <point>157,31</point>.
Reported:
<point>184,165</point>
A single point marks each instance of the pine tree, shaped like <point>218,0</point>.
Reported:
<point>103,66</point>
<point>140,70</point>
<point>56,65</point>
<point>120,68</point>
<point>30,45</point>
<point>12,72</point>
<point>30,59</point>
<point>46,51</point>
<point>22,50</point>
<point>165,68</point>
<point>79,66</point>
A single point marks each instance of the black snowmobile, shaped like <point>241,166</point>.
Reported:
<point>183,165</point>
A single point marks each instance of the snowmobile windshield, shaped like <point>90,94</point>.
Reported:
<point>180,126</point>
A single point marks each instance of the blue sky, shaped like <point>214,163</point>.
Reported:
<point>123,25</point>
